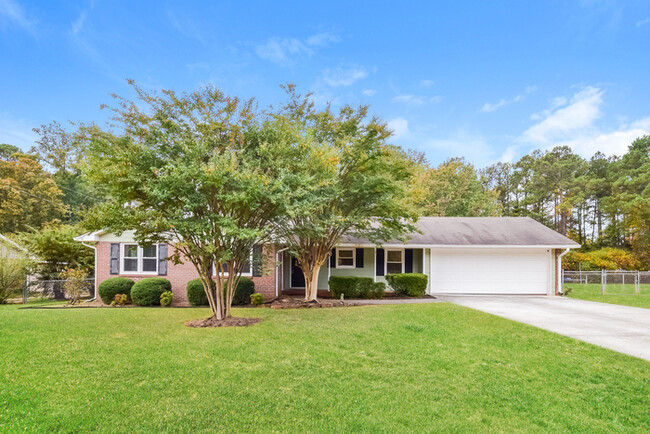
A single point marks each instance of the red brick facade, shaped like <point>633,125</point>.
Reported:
<point>180,274</point>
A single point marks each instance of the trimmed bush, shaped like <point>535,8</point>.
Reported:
<point>196,295</point>
<point>166,298</point>
<point>356,287</point>
<point>257,299</point>
<point>147,292</point>
<point>409,284</point>
<point>109,288</point>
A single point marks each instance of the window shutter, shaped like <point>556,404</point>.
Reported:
<point>257,260</point>
<point>333,259</point>
<point>380,262</point>
<point>115,258</point>
<point>162,259</point>
<point>359,253</point>
<point>408,260</point>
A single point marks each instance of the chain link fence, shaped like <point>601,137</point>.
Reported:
<point>53,290</point>
<point>605,282</point>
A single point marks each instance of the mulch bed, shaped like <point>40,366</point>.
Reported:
<point>228,322</point>
<point>285,302</point>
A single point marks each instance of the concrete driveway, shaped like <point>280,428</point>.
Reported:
<point>619,328</point>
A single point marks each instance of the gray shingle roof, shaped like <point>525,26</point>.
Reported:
<point>481,231</point>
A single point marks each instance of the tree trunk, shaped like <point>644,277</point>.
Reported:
<point>312,294</point>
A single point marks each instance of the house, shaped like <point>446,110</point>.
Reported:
<point>461,255</point>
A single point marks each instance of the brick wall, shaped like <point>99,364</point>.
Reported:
<point>180,274</point>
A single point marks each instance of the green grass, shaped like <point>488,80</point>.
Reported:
<point>615,294</point>
<point>397,368</point>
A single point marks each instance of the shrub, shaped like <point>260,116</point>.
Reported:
<point>147,292</point>
<point>356,287</point>
<point>243,293</point>
<point>257,299</point>
<point>74,283</point>
<point>120,300</point>
<point>410,284</point>
<point>166,298</point>
<point>196,295</point>
<point>115,285</point>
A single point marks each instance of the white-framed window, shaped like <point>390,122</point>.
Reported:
<point>139,259</point>
<point>394,261</point>
<point>345,258</point>
<point>246,271</point>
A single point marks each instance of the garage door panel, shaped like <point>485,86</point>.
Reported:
<point>498,271</point>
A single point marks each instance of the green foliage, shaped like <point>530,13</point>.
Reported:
<point>7,151</point>
<point>109,288</point>
<point>242,295</point>
<point>356,287</point>
<point>147,292</point>
<point>119,300</point>
<point>29,197</point>
<point>13,270</point>
<point>408,284</point>
<point>196,294</point>
<point>56,247</point>
<point>607,258</point>
<point>453,189</point>
<point>257,299</point>
<point>166,298</point>
<point>75,283</point>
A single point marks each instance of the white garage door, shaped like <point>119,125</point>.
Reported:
<point>490,271</point>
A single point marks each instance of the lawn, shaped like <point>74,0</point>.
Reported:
<point>615,294</point>
<point>384,368</point>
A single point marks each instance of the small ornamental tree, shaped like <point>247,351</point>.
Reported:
<point>348,180</point>
<point>199,171</point>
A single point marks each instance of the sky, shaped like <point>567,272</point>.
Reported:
<point>489,81</point>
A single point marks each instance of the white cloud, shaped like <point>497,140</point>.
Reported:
<point>492,107</point>
<point>573,122</point>
<point>426,83</point>
<point>400,128</point>
<point>562,123</point>
<point>344,76</point>
<point>16,132</point>
<point>283,50</point>
<point>643,22</point>
<point>409,99</point>
<point>369,92</point>
<point>15,14</point>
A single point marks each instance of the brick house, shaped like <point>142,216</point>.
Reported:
<point>460,255</point>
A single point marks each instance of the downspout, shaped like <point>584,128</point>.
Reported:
<point>95,284</point>
<point>276,269</point>
<point>558,271</point>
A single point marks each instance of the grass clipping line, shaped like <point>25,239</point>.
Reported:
<point>228,322</point>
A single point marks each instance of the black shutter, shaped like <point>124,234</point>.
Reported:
<point>380,262</point>
<point>115,258</point>
<point>162,259</point>
<point>359,253</point>
<point>257,260</point>
<point>247,267</point>
<point>333,259</point>
<point>408,260</point>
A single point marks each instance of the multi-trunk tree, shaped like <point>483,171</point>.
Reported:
<point>201,171</point>
<point>348,180</point>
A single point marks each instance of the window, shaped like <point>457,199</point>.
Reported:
<point>345,258</point>
<point>246,270</point>
<point>136,259</point>
<point>394,261</point>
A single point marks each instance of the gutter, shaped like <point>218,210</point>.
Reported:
<point>276,268</point>
<point>95,279</point>
<point>558,270</point>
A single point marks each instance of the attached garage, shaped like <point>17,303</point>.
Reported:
<point>491,271</point>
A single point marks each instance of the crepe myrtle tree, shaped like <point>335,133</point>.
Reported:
<point>351,182</point>
<point>197,170</point>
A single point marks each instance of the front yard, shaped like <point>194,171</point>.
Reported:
<point>618,294</point>
<point>375,368</point>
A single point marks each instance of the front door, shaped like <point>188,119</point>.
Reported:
<point>297,278</point>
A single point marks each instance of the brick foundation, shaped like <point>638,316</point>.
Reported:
<point>179,275</point>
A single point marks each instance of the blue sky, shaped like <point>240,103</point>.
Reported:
<point>489,81</point>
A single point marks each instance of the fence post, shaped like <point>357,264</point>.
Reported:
<point>637,283</point>
<point>25,290</point>
<point>603,278</point>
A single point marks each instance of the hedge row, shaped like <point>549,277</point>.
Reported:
<point>408,284</point>
<point>196,294</point>
<point>356,287</point>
